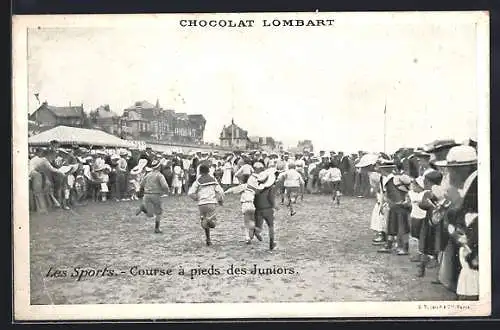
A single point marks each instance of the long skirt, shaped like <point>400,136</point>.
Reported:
<point>378,221</point>
<point>227,177</point>
<point>468,280</point>
<point>398,221</point>
<point>427,238</point>
<point>449,268</point>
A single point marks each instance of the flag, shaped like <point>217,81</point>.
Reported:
<point>37,97</point>
<point>385,108</point>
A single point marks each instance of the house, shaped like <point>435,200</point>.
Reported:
<point>137,120</point>
<point>48,116</point>
<point>234,137</point>
<point>107,120</point>
<point>254,142</point>
<point>197,123</point>
<point>146,121</point>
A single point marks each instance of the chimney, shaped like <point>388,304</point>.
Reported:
<point>70,104</point>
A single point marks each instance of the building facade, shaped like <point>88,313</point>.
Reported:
<point>235,137</point>
<point>48,116</point>
<point>107,120</point>
<point>145,121</point>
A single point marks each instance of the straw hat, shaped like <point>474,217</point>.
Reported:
<point>155,164</point>
<point>367,160</point>
<point>267,178</point>
<point>420,153</point>
<point>139,167</point>
<point>115,157</point>
<point>437,145</point>
<point>459,156</point>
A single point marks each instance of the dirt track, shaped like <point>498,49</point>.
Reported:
<point>328,247</point>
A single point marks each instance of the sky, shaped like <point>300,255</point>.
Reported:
<point>326,84</point>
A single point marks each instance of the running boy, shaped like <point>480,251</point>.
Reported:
<point>208,193</point>
<point>293,183</point>
<point>154,185</point>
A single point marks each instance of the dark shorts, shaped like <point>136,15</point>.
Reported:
<point>208,217</point>
<point>152,204</point>
<point>336,185</point>
<point>292,192</point>
<point>264,215</point>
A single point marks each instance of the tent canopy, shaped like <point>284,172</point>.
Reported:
<point>80,136</point>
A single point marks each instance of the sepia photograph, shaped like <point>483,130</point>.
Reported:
<point>251,165</point>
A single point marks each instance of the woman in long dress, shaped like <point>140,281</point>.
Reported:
<point>227,176</point>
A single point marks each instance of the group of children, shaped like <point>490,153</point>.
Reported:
<point>257,199</point>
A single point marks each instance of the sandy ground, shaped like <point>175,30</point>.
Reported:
<point>328,247</point>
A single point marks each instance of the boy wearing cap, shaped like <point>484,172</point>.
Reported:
<point>208,193</point>
<point>154,185</point>
<point>265,205</point>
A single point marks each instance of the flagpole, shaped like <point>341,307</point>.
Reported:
<point>385,124</point>
<point>232,119</point>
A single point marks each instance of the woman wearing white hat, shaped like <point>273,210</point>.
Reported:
<point>227,169</point>
<point>178,175</point>
<point>461,192</point>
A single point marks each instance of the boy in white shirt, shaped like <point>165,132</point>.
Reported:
<point>294,183</point>
<point>334,177</point>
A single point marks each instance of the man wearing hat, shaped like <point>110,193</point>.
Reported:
<point>122,175</point>
<point>421,160</point>
<point>438,149</point>
<point>265,205</point>
<point>460,189</point>
<point>148,154</point>
<point>153,186</point>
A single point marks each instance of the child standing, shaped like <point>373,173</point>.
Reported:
<point>68,183</point>
<point>417,216</point>
<point>208,193</point>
